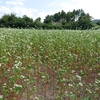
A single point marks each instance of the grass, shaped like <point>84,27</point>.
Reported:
<point>49,64</point>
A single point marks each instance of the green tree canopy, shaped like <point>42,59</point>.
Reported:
<point>76,19</point>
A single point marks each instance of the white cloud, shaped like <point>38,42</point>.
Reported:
<point>89,6</point>
<point>20,11</point>
<point>43,14</point>
<point>75,1</point>
<point>4,10</point>
<point>54,4</point>
<point>18,8</point>
<point>15,3</point>
<point>20,0</point>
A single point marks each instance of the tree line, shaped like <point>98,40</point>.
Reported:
<point>77,19</point>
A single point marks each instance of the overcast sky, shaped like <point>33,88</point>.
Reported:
<point>41,8</point>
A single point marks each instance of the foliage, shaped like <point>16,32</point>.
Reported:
<point>98,23</point>
<point>77,19</point>
<point>11,20</point>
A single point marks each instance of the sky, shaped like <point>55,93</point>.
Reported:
<point>42,8</point>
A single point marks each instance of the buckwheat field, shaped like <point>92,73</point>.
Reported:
<point>49,64</point>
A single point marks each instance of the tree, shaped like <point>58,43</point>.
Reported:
<point>62,17</point>
<point>98,23</point>
<point>28,21</point>
<point>4,21</point>
<point>38,23</point>
<point>61,20</point>
<point>19,23</point>
<point>56,17</point>
<point>11,19</point>
<point>48,19</point>
<point>8,20</point>
<point>84,21</point>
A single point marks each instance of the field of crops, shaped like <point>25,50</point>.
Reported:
<point>49,64</point>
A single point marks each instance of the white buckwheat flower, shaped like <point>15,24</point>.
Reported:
<point>80,84</point>
<point>1,96</point>
<point>79,77</point>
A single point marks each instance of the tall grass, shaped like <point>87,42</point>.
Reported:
<point>49,64</point>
